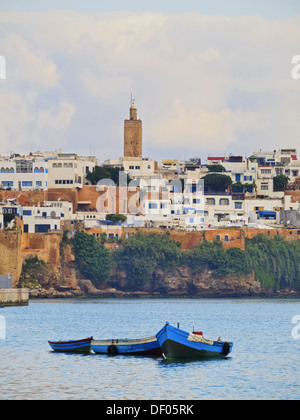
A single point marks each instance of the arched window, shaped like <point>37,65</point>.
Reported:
<point>11,170</point>
<point>2,170</point>
<point>42,170</point>
<point>36,170</point>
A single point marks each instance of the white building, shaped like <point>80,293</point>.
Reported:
<point>46,218</point>
<point>40,171</point>
<point>23,173</point>
<point>68,170</point>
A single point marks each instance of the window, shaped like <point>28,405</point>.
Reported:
<point>264,186</point>
<point>194,188</point>
<point>226,238</point>
<point>68,165</point>
<point>266,171</point>
<point>6,184</point>
<point>224,202</point>
<point>63,181</point>
<point>196,200</point>
<point>191,220</point>
<point>238,205</point>
<point>152,205</point>
<point>24,167</point>
<point>38,183</point>
<point>42,228</point>
<point>39,170</point>
<point>210,201</point>
<point>218,238</point>
<point>137,167</point>
<point>131,167</point>
<point>26,183</point>
<point>56,165</point>
<point>27,213</point>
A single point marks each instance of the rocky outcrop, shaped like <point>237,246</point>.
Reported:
<point>181,281</point>
<point>66,281</point>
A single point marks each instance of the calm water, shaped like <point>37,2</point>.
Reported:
<point>264,364</point>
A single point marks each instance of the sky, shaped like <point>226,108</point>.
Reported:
<point>208,77</point>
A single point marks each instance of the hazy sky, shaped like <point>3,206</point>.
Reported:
<point>208,77</point>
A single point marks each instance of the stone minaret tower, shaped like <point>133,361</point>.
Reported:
<point>133,134</point>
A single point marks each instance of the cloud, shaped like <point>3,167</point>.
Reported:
<point>203,84</point>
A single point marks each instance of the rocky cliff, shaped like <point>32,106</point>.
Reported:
<point>181,281</point>
<point>48,281</point>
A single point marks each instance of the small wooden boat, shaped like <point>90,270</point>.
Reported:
<point>72,346</point>
<point>176,343</point>
<point>139,347</point>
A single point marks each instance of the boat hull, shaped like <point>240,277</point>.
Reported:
<point>178,344</point>
<point>139,347</point>
<point>72,346</point>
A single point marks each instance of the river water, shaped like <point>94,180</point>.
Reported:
<point>264,363</point>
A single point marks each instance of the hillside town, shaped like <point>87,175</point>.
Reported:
<point>227,198</point>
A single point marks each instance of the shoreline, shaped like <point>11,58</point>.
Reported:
<point>109,294</point>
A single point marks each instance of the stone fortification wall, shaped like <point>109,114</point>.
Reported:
<point>43,245</point>
<point>10,253</point>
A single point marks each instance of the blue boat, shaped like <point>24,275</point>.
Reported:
<point>139,347</point>
<point>179,344</point>
<point>72,346</point>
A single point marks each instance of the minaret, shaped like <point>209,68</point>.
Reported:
<point>133,134</point>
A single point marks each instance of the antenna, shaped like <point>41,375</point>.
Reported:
<point>131,101</point>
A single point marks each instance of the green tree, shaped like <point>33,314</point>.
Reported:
<point>276,261</point>
<point>280,182</point>
<point>217,182</point>
<point>143,254</point>
<point>116,217</point>
<point>94,260</point>
<point>216,168</point>
<point>106,172</point>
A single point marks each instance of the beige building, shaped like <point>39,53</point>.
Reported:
<point>69,170</point>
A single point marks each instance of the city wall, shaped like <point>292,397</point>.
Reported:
<point>43,245</point>
<point>10,253</point>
